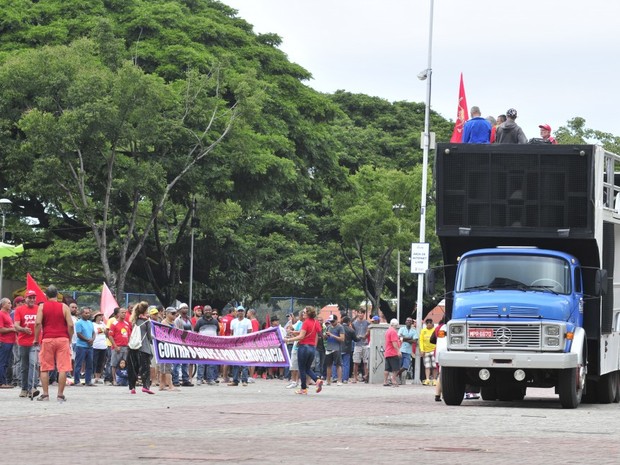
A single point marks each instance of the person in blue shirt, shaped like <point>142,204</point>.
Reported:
<point>409,337</point>
<point>85,331</point>
<point>477,130</point>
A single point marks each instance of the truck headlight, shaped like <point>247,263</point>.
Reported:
<point>456,340</point>
<point>457,329</point>
<point>552,330</point>
<point>552,341</point>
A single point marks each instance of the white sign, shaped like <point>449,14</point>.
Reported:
<point>419,257</point>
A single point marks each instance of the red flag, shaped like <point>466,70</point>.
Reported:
<point>461,115</point>
<point>31,285</point>
<point>267,321</point>
<point>108,302</point>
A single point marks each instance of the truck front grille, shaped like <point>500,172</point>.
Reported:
<point>504,336</point>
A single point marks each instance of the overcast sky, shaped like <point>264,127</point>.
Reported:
<point>552,60</point>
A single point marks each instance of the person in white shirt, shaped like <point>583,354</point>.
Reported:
<point>240,327</point>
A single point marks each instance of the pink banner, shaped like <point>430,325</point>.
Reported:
<point>265,348</point>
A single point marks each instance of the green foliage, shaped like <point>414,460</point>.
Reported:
<point>575,132</point>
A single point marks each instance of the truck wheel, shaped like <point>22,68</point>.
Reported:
<point>608,388</point>
<point>452,385</point>
<point>570,386</point>
<point>488,393</point>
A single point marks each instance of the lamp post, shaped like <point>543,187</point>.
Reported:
<point>5,206</point>
<point>424,75</point>
<point>191,256</point>
<point>398,208</point>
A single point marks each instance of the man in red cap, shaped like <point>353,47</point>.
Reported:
<point>25,319</point>
<point>545,134</point>
<point>197,313</point>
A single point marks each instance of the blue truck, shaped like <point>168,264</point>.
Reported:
<point>528,237</point>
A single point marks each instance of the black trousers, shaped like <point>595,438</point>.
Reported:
<point>139,363</point>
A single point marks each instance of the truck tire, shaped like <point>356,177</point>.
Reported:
<point>488,393</point>
<point>608,388</point>
<point>452,385</point>
<point>570,387</point>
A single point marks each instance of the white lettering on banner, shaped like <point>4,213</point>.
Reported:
<point>174,351</point>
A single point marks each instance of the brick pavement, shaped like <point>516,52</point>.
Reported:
<point>264,423</point>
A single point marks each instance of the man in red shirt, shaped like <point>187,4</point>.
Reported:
<point>392,354</point>
<point>118,335</point>
<point>54,328</point>
<point>7,339</point>
<point>25,319</point>
<point>226,322</point>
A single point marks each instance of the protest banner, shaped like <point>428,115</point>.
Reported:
<point>264,348</point>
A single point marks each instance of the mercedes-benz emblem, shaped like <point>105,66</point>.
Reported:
<point>503,335</point>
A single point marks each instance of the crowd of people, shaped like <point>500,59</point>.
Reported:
<point>500,130</point>
<point>53,343</point>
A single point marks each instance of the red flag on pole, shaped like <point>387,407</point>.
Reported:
<point>461,115</point>
<point>108,302</point>
<point>31,285</point>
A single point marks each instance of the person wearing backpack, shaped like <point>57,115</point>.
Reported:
<point>139,359</point>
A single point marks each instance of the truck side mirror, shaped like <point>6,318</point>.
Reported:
<point>600,283</point>
<point>429,281</point>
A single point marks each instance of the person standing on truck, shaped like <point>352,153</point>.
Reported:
<point>477,130</point>
<point>427,351</point>
<point>510,132</point>
<point>545,134</point>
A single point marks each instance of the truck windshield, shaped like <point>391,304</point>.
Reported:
<point>522,272</point>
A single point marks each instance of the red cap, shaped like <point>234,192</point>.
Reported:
<point>18,299</point>
<point>30,293</point>
<point>198,307</point>
<point>545,126</point>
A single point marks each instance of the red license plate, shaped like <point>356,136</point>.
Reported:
<point>481,333</point>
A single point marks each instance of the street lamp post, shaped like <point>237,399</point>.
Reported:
<point>424,75</point>
<point>398,207</point>
<point>191,257</point>
<point>5,206</point>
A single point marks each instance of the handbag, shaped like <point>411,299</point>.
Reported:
<point>135,340</point>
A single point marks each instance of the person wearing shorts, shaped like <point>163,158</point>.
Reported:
<point>55,326</point>
<point>427,350</point>
<point>392,354</point>
<point>361,350</point>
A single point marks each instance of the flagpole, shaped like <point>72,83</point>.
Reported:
<point>425,149</point>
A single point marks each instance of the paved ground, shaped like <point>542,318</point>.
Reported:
<point>264,423</point>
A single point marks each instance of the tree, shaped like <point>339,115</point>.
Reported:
<point>371,227</point>
<point>575,132</point>
<point>121,138</point>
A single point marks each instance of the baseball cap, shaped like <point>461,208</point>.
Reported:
<point>30,293</point>
<point>240,307</point>
<point>171,310</point>
<point>183,305</point>
<point>376,318</point>
<point>512,113</point>
<point>153,310</point>
<point>330,318</point>
<point>198,307</point>
<point>545,126</point>
<point>18,300</point>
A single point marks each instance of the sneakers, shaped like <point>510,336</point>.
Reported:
<point>251,380</point>
<point>133,391</point>
<point>233,383</point>
<point>426,382</point>
<point>211,383</point>
<point>24,393</point>
<point>244,383</point>
<point>291,385</point>
<point>34,393</point>
<point>187,384</point>
<point>303,392</point>
<point>147,391</point>
<point>437,398</point>
<point>319,386</point>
